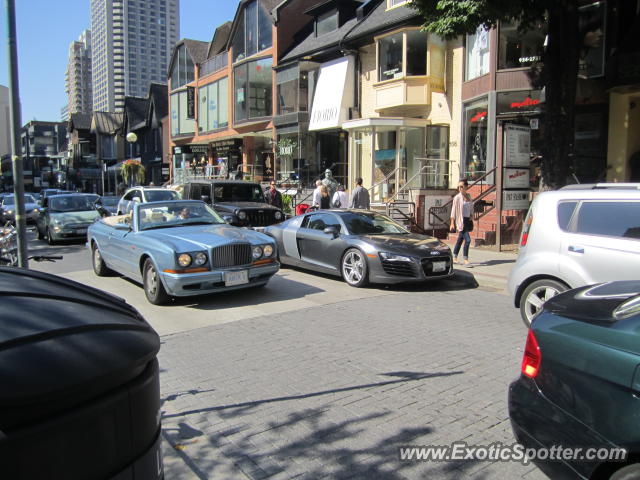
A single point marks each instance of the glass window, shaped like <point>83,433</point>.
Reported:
<point>477,54</point>
<point>416,53</point>
<point>212,113</point>
<point>327,22</point>
<point>253,33</point>
<point>288,97</point>
<point>238,40</point>
<point>610,219</point>
<point>223,103</point>
<point>475,125</point>
<point>390,57</point>
<point>371,224</point>
<point>251,28</point>
<point>240,93</point>
<point>180,124</point>
<point>264,30</point>
<point>252,90</point>
<point>565,212</point>
<point>516,49</point>
<point>183,69</point>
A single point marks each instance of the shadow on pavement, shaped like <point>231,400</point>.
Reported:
<point>307,441</point>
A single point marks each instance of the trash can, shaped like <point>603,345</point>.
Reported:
<point>79,395</point>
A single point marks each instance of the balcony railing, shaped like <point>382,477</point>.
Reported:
<point>214,64</point>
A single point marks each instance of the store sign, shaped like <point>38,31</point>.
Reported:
<point>515,199</point>
<point>517,145</point>
<point>199,148</point>
<point>334,94</point>
<point>525,102</point>
<point>516,178</point>
<point>191,102</point>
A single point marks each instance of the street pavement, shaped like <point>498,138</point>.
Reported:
<point>309,378</point>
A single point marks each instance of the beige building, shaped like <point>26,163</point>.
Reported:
<point>78,77</point>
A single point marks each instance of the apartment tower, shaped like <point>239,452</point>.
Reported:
<point>132,42</point>
<point>78,77</point>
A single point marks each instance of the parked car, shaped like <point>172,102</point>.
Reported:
<point>240,203</point>
<point>66,217</point>
<point>361,246</point>
<point>144,195</point>
<point>8,208</point>
<point>580,381</point>
<point>110,203</point>
<point>575,237</point>
<point>181,248</point>
<point>80,383</point>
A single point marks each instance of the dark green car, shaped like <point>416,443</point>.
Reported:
<point>580,383</point>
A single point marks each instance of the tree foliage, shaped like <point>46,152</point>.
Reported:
<point>557,72</point>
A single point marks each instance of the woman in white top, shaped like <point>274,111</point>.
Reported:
<point>461,220</point>
<point>340,198</point>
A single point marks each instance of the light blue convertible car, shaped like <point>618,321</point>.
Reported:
<point>180,248</point>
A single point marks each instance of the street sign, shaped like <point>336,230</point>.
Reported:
<point>515,200</point>
<point>516,178</point>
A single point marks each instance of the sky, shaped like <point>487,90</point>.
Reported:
<point>47,27</point>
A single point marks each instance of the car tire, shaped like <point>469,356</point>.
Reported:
<point>99,267</point>
<point>354,269</point>
<point>536,294</point>
<point>50,239</point>
<point>630,472</point>
<point>153,287</point>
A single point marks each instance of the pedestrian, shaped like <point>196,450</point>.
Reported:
<point>461,220</point>
<point>274,197</point>
<point>340,198</point>
<point>360,196</point>
<point>315,200</point>
<point>325,199</point>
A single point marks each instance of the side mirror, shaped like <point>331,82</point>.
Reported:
<point>331,231</point>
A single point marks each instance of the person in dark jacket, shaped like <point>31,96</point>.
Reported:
<point>360,196</point>
<point>274,197</point>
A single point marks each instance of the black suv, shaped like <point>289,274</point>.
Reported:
<point>240,203</point>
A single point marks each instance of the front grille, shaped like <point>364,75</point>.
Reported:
<point>260,218</point>
<point>403,269</point>
<point>231,255</point>
<point>77,225</point>
<point>427,265</point>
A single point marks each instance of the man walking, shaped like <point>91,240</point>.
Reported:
<point>274,197</point>
<point>360,196</point>
<point>315,201</point>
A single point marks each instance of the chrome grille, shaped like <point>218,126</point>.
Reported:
<point>231,255</point>
<point>77,225</point>
<point>260,218</point>
<point>403,269</point>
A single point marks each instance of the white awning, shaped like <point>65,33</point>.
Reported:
<point>334,94</point>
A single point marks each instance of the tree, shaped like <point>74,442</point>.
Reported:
<point>557,72</point>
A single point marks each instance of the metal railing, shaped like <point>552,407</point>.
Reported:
<point>214,64</point>
<point>379,191</point>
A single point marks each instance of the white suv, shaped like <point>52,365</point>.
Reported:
<point>144,195</point>
<point>575,237</point>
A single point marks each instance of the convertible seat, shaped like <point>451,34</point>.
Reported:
<point>112,220</point>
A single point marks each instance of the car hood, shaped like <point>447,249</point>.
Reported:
<point>205,236</point>
<point>245,205</point>
<point>74,217</point>
<point>411,244</point>
<point>27,207</point>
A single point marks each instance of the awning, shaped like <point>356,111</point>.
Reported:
<point>334,94</point>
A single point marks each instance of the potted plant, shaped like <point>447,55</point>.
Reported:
<point>132,171</point>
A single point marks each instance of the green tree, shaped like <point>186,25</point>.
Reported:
<point>557,72</point>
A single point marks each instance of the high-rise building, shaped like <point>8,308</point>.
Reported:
<point>78,76</point>
<point>5,122</point>
<point>132,43</point>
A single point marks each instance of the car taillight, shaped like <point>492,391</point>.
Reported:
<point>525,230</point>
<point>532,357</point>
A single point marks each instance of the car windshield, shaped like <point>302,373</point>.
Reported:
<point>110,201</point>
<point>72,203</point>
<point>371,224</point>
<point>176,214</point>
<point>8,200</point>
<point>160,195</point>
<point>237,192</point>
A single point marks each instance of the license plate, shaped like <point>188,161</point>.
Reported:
<point>236,278</point>
<point>80,231</point>
<point>439,266</point>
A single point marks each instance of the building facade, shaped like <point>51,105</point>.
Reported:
<point>44,146</point>
<point>78,76</point>
<point>5,122</point>
<point>131,47</point>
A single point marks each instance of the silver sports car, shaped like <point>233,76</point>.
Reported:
<point>361,246</point>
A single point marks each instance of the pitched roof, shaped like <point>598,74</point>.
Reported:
<point>158,101</point>
<point>80,121</point>
<point>220,39</point>
<point>381,19</point>
<point>135,112</point>
<point>313,44</point>
<point>106,123</point>
<point>197,51</point>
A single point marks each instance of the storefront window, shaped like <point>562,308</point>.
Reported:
<point>516,49</point>
<point>212,113</point>
<point>260,81</point>
<point>288,97</point>
<point>183,70</point>
<point>475,132</point>
<point>253,32</point>
<point>390,57</point>
<point>180,124</point>
<point>416,53</point>
<point>412,45</point>
<point>477,54</point>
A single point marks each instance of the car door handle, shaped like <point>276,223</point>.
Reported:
<point>576,249</point>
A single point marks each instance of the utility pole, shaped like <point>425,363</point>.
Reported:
<point>16,146</point>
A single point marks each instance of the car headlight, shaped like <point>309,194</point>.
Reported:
<point>56,228</point>
<point>242,215</point>
<point>200,258</point>
<point>256,252</point>
<point>184,260</point>
<point>267,250</point>
<point>392,257</point>
<point>278,215</point>
<point>9,212</point>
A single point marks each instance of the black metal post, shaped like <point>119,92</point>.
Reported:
<point>16,147</point>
